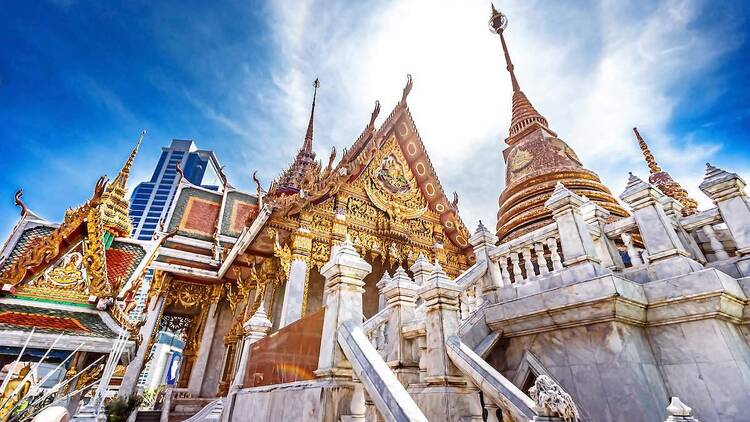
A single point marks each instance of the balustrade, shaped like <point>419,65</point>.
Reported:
<point>528,257</point>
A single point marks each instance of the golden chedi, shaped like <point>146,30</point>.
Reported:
<point>535,161</point>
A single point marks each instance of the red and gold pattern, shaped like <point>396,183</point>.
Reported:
<point>200,217</point>
<point>50,322</point>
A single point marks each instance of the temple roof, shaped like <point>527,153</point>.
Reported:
<point>290,179</point>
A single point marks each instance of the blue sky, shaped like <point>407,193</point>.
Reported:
<point>79,80</point>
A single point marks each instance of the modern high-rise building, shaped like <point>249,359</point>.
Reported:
<point>151,200</point>
<point>149,204</point>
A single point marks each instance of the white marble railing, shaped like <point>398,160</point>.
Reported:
<point>624,232</point>
<point>710,235</point>
<point>390,397</point>
<point>530,256</point>
<point>470,281</point>
<point>496,388</point>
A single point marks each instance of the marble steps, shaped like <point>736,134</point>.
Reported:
<point>148,416</point>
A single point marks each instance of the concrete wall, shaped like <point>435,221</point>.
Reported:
<point>607,367</point>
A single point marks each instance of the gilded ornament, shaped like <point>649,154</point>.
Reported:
<point>391,186</point>
<point>95,259</point>
<point>520,160</point>
<point>283,253</point>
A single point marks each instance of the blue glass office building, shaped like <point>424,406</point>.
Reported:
<point>151,200</point>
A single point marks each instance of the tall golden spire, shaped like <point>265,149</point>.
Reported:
<point>307,146</point>
<point>652,165</point>
<point>535,161</point>
<point>663,180</point>
<point>290,179</point>
<point>114,206</point>
<point>523,115</point>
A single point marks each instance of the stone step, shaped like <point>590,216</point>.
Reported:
<point>179,416</point>
<point>148,416</point>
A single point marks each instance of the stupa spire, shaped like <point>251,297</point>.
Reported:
<point>523,114</point>
<point>307,146</point>
<point>652,165</point>
<point>114,206</point>
<point>122,176</point>
<point>663,180</point>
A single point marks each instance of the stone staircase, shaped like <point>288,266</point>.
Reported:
<point>180,406</point>
<point>148,416</point>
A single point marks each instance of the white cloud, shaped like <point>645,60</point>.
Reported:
<point>594,71</point>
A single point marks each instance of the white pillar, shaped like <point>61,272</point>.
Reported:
<point>133,371</point>
<point>256,328</point>
<point>344,275</point>
<point>575,239</point>
<point>401,297</point>
<point>727,191</point>
<point>440,296</point>
<point>483,241</point>
<point>667,255</point>
<point>201,361</point>
<point>294,291</point>
<point>421,268</point>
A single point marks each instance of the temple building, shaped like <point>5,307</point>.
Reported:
<point>351,290</point>
<point>73,283</point>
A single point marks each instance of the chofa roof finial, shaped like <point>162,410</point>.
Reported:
<point>407,88</point>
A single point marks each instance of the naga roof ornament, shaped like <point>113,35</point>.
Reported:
<point>663,180</point>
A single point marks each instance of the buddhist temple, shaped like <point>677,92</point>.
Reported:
<point>72,283</point>
<point>351,290</point>
<point>535,161</point>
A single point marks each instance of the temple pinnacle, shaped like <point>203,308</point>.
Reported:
<point>122,177</point>
<point>524,115</point>
<point>307,146</point>
<point>663,180</point>
<point>652,165</point>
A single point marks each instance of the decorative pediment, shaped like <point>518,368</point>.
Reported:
<point>64,280</point>
<point>391,186</point>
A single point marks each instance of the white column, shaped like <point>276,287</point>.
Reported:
<point>294,291</point>
<point>727,190</point>
<point>716,246</point>
<point>483,241</point>
<point>541,261</point>
<point>133,371</point>
<point>503,261</point>
<point>344,275</point>
<point>575,239</point>
<point>256,328</point>
<point>201,361</point>
<point>554,255</point>
<point>635,257</point>
<point>421,268</point>
<point>667,255</point>
<point>440,296</point>
<point>528,265</point>
<point>401,297</point>
<point>517,276</point>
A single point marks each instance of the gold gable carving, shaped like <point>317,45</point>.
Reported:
<point>391,186</point>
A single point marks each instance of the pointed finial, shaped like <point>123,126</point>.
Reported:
<point>407,88</point>
<point>122,177</point>
<point>498,23</point>
<point>307,146</point>
<point>374,115</point>
<point>19,203</point>
<point>650,161</point>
